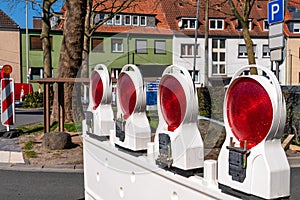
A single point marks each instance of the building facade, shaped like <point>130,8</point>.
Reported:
<point>10,48</point>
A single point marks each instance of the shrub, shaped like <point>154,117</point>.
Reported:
<point>33,100</point>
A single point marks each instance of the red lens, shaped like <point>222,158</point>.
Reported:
<point>127,94</point>
<point>97,89</point>
<point>172,101</point>
<point>249,111</point>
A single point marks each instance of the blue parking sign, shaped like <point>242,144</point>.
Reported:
<point>275,11</point>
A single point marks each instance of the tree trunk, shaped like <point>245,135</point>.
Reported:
<point>45,37</point>
<point>86,41</point>
<point>71,59</point>
<point>249,47</point>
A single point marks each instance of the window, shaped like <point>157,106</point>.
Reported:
<point>266,25</point>
<point>240,27</point>
<point>218,56</point>
<point>196,75</point>
<point>296,28</point>
<point>160,46</point>
<point>250,24</point>
<point>135,20</point>
<point>118,20</point>
<point>97,45</point>
<point>117,45</point>
<point>216,24</point>
<point>188,23</point>
<point>266,51</point>
<point>36,42</point>
<point>243,50</point>
<point>36,73</point>
<point>127,20</point>
<point>141,46</point>
<point>143,21</point>
<point>98,18</point>
<point>109,21</point>
<point>187,50</point>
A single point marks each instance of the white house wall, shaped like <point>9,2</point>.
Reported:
<point>233,62</point>
<point>188,62</point>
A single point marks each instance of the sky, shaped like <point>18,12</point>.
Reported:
<point>17,11</point>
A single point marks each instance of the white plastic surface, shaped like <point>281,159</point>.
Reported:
<point>268,171</point>
<point>111,174</point>
<point>137,127</point>
<point>103,115</point>
<point>186,142</point>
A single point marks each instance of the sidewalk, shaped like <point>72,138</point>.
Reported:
<point>10,152</point>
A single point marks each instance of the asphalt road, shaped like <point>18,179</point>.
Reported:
<point>24,117</point>
<point>59,185</point>
<point>41,185</point>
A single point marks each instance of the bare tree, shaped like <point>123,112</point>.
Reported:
<point>95,7</point>
<point>241,9</point>
<point>45,36</point>
<point>70,59</point>
<point>45,8</point>
<point>92,9</point>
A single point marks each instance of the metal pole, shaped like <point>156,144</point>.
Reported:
<point>206,45</point>
<point>128,55</point>
<point>196,35</point>
<point>27,54</point>
<point>277,70</point>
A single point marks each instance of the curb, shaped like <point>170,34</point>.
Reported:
<point>294,161</point>
<point>76,168</point>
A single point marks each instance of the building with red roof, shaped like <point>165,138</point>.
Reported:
<point>10,52</point>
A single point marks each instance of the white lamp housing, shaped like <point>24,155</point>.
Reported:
<point>178,140</point>
<point>99,120</point>
<point>132,130</point>
<point>252,160</point>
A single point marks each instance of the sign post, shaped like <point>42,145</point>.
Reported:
<point>276,38</point>
<point>7,98</point>
<point>275,11</point>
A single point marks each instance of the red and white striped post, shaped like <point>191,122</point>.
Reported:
<point>7,98</point>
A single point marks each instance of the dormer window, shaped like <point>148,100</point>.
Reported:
<point>118,20</point>
<point>240,27</point>
<point>98,18</point>
<point>296,28</point>
<point>143,21</point>
<point>109,21</point>
<point>188,23</point>
<point>216,24</point>
<point>127,21</point>
<point>135,20</point>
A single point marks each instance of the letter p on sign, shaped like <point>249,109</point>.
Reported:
<point>275,11</point>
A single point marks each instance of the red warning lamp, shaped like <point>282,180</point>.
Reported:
<point>132,128</point>
<point>7,69</point>
<point>249,111</point>
<point>127,93</point>
<point>97,89</point>
<point>172,101</point>
<point>178,140</point>
<point>99,114</point>
<point>252,160</point>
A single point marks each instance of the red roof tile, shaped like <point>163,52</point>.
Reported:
<point>292,13</point>
<point>174,11</point>
<point>6,21</point>
<point>169,12</point>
